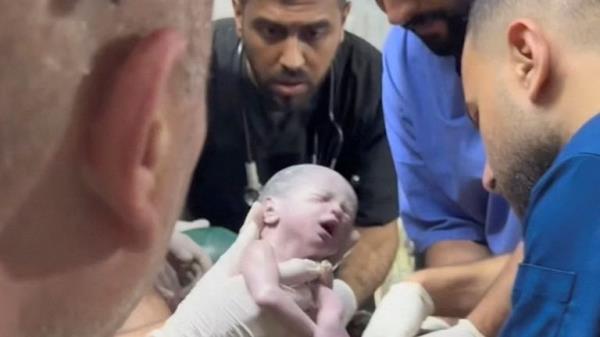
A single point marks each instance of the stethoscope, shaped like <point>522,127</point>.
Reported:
<point>253,183</point>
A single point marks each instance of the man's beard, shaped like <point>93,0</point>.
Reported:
<point>286,104</point>
<point>273,101</point>
<point>529,159</point>
<point>444,46</point>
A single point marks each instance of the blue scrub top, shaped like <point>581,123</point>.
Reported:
<point>438,154</point>
<point>557,290</point>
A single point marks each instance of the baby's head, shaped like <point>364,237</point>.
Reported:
<point>309,212</point>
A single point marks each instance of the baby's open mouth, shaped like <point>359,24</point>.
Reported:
<point>329,226</point>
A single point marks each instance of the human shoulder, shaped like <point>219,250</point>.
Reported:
<point>225,40</point>
<point>224,27</point>
<point>225,72</point>
<point>359,54</point>
<point>565,202</point>
<point>357,73</point>
<point>404,49</point>
<point>569,187</point>
<point>355,45</point>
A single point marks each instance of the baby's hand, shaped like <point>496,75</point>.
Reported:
<point>326,270</point>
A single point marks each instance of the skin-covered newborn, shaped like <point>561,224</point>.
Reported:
<point>308,213</point>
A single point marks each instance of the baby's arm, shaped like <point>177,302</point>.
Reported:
<point>259,268</point>
<point>330,315</point>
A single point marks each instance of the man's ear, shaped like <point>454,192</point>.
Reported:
<point>238,10</point>
<point>271,213</point>
<point>127,135</point>
<point>529,57</point>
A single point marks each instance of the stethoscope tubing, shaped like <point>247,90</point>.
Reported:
<point>333,151</point>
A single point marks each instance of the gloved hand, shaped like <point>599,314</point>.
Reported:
<point>220,304</point>
<point>464,328</point>
<point>348,299</point>
<point>184,249</point>
<point>186,263</point>
<point>401,312</point>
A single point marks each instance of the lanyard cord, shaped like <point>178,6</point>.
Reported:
<point>337,149</point>
<point>247,138</point>
<point>249,156</point>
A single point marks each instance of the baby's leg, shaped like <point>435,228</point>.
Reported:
<point>330,315</point>
<point>259,268</point>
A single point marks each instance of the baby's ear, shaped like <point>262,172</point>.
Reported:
<point>271,216</point>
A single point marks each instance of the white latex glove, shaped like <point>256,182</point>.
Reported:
<point>185,249</point>
<point>220,304</point>
<point>346,295</point>
<point>186,263</point>
<point>401,312</point>
<point>464,328</point>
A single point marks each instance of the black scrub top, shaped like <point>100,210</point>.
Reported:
<point>279,140</point>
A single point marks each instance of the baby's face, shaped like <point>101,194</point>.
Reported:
<point>318,216</point>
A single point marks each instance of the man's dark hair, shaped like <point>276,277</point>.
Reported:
<point>341,2</point>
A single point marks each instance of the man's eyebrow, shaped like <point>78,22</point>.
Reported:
<point>323,23</point>
<point>318,24</point>
<point>261,21</point>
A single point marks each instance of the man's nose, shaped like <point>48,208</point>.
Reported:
<point>488,179</point>
<point>292,57</point>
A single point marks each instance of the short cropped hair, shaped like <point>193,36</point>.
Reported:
<point>580,19</point>
<point>341,2</point>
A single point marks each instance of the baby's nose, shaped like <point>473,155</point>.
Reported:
<point>336,209</point>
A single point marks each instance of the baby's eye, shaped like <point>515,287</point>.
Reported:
<point>316,198</point>
<point>322,197</point>
<point>327,196</point>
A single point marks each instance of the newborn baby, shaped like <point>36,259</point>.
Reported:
<point>308,213</point>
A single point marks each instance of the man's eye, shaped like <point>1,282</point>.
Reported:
<point>272,33</point>
<point>313,34</point>
<point>322,197</point>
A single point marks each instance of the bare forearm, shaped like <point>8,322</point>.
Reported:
<point>491,312</point>
<point>449,253</point>
<point>370,261</point>
<point>264,285</point>
<point>456,290</point>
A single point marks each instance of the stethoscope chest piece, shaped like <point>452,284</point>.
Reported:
<point>332,152</point>
<point>355,181</point>
<point>251,195</point>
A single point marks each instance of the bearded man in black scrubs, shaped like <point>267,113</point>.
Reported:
<point>288,85</point>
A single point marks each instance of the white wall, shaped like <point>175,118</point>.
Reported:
<point>365,20</point>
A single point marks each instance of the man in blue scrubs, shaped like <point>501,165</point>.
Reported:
<point>464,233</point>
<point>531,74</point>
